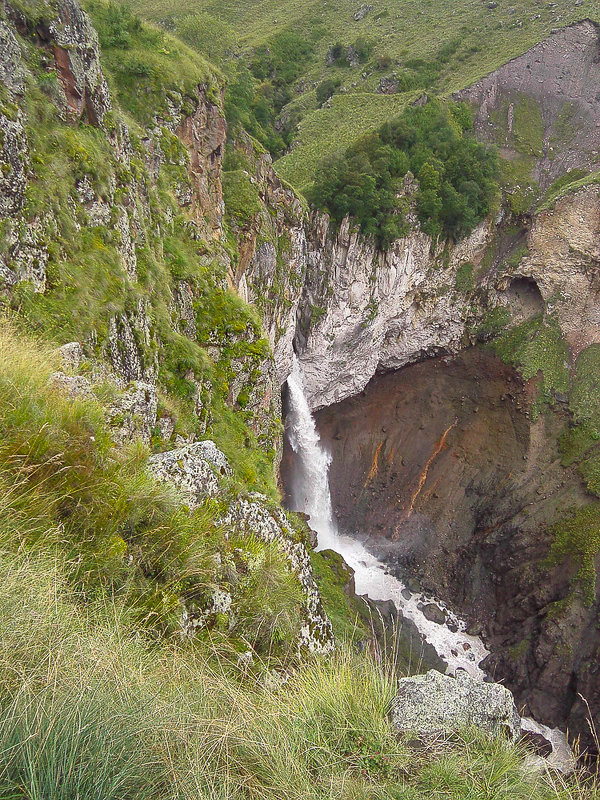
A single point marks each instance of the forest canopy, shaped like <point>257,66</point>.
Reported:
<point>457,176</point>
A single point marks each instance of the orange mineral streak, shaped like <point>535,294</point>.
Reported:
<point>374,466</point>
<point>437,450</point>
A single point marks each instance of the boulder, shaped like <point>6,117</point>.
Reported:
<point>195,469</point>
<point>431,703</point>
<point>433,613</point>
<point>550,746</point>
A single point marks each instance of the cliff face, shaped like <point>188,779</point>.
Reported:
<point>361,311</point>
<point>161,184</point>
<point>541,108</point>
<point>442,466</point>
<point>114,240</point>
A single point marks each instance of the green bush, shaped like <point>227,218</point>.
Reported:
<point>326,89</point>
<point>456,174</point>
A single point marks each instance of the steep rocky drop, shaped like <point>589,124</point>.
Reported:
<point>443,464</point>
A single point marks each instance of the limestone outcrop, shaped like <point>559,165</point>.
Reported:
<point>197,471</point>
<point>77,58</point>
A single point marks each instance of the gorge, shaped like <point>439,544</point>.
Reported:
<point>190,350</point>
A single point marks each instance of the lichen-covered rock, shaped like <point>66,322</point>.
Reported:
<point>129,340</point>
<point>14,161</point>
<point>550,746</point>
<point>252,515</point>
<point>71,355</point>
<point>431,703</point>
<point>193,618</point>
<point>195,469</point>
<point>184,299</point>
<point>12,74</point>
<point>73,386</point>
<point>26,256</point>
<point>127,245</point>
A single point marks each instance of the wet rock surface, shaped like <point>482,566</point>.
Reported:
<point>442,464</point>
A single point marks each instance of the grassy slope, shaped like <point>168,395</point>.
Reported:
<point>93,707</point>
<point>486,38</point>
<point>92,710</point>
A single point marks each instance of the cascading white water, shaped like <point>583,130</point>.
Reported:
<point>310,487</point>
<point>309,492</point>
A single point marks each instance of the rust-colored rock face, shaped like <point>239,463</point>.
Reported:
<point>77,59</point>
<point>442,465</point>
<point>204,133</point>
<point>423,446</point>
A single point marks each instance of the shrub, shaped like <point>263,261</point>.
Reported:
<point>364,48</point>
<point>326,89</point>
<point>384,62</point>
<point>456,174</point>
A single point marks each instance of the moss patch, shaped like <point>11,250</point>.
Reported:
<point>343,610</point>
<point>578,536</point>
<point>585,396</point>
<point>528,127</point>
<point>241,197</point>
<point>465,281</point>
<point>537,346</point>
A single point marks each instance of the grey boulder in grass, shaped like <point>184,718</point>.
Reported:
<point>195,469</point>
<point>433,703</point>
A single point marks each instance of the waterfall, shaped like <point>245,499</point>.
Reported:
<point>310,486</point>
<point>309,493</point>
